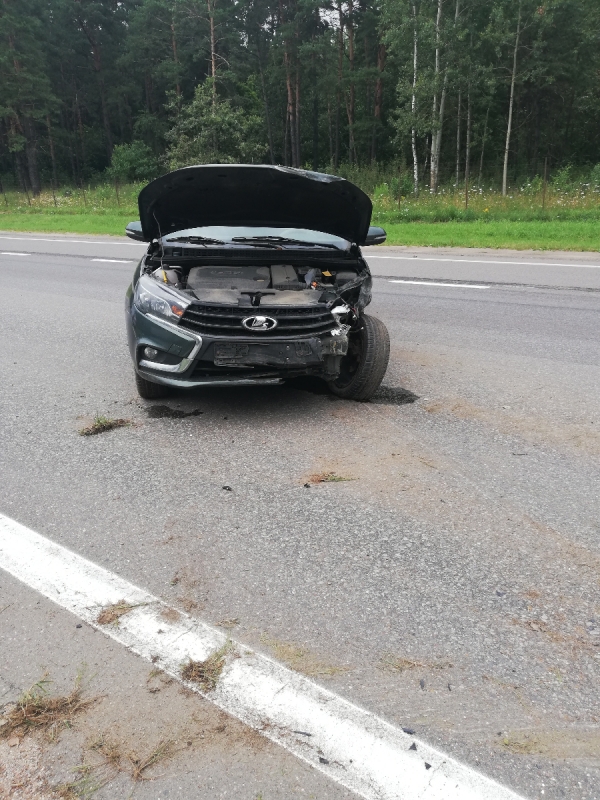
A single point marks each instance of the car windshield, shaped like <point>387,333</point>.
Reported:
<point>225,233</point>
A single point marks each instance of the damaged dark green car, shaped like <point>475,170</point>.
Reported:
<point>254,275</point>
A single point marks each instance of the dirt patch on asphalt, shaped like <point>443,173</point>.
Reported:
<point>554,743</point>
<point>301,659</point>
<point>394,663</point>
<point>24,775</point>
<point>327,477</point>
<point>580,437</point>
<point>166,412</point>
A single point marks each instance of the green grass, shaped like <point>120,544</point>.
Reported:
<point>544,235</point>
<point>113,224</point>
<point>526,219</point>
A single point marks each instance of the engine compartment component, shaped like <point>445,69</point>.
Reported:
<point>277,284</point>
<point>284,276</point>
<point>240,278</point>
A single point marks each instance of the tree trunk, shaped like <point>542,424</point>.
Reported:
<point>438,112</point>
<point>378,99</point>
<point>21,171</point>
<point>413,104</point>
<point>351,96</point>
<point>315,126</point>
<point>98,69</point>
<point>52,156</point>
<point>510,105</point>
<point>297,116</point>
<point>286,137</point>
<point>291,122</point>
<point>176,62</point>
<point>468,148</point>
<point>458,120</point>
<point>340,74</point>
<point>330,130</point>
<point>487,113</point>
<point>213,49</point>
<point>31,155</point>
<point>267,115</point>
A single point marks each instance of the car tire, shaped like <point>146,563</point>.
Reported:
<point>363,369</point>
<point>148,390</point>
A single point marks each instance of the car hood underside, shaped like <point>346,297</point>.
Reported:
<point>254,195</point>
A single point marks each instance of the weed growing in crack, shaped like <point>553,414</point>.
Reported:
<point>103,424</point>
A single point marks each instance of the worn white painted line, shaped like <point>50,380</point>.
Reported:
<point>351,746</point>
<point>71,241</point>
<point>8,253</point>
<point>113,260</point>
<point>368,256</point>
<point>434,283</point>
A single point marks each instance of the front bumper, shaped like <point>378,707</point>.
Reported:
<point>187,359</point>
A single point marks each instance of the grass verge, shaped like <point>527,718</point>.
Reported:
<point>496,234</point>
<point>42,222</point>
<point>570,234</point>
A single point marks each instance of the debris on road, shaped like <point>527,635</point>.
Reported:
<point>164,749</point>
<point>36,710</point>
<point>302,660</point>
<point>206,673</point>
<point>103,424</point>
<point>399,664</point>
<point>327,477</point>
<point>229,622</point>
<point>113,613</point>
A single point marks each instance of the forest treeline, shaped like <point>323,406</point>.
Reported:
<point>439,90</point>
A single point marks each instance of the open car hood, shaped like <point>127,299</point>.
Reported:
<point>253,194</point>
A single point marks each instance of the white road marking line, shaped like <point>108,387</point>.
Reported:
<point>113,260</point>
<point>72,241</point>
<point>434,283</point>
<point>9,253</point>
<point>475,261</point>
<point>350,745</point>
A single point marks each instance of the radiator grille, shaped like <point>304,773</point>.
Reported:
<point>227,320</point>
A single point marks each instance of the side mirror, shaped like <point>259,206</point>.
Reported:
<point>134,231</point>
<point>374,236</point>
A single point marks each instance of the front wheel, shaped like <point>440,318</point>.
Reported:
<point>148,390</point>
<point>364,367</point>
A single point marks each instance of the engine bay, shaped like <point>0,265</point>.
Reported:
<point>275,284</point>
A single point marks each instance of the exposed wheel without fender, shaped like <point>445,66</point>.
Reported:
<point>365,365</point>
<point>148,390</point>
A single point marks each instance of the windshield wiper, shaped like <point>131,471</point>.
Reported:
<point>195,240</point>
<point>274,240</point>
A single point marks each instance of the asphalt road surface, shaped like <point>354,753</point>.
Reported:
<point>450,584</point>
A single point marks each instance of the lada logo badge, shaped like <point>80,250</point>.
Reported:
<point>258,323</point>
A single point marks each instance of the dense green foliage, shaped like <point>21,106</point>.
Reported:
<point>124,89</point>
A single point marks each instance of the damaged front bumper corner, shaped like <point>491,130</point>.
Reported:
<point>181,357</point>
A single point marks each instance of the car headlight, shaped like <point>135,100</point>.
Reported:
<point>152,298</point>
